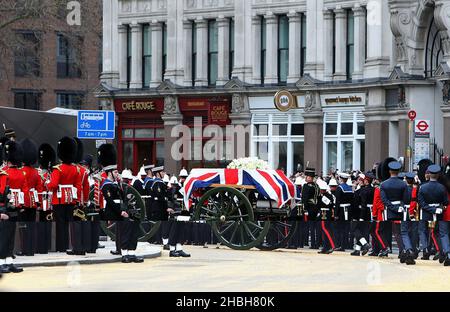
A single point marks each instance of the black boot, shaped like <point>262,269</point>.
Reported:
<point>174,253</point>
<point>409,260</point>
<point>441,258</point>
<point>374,253</point>
<point>356,253</point>
<point>183,254</point>
<point>402,256</point>
<point>425,255</point>
<point>384,253</point>
<point>365,249</point>
<point>325,251</point>
<point>447,260</point>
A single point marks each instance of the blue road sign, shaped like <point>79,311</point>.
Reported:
<point>96,125</point>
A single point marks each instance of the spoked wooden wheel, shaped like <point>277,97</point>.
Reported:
<point>135,202</point>
<point>280,232</point>
<point>231,217</point>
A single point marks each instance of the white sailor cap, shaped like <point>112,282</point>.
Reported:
<point>126,174</point>
<point>344,175</point>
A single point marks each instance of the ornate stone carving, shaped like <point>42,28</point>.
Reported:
<point>237,104</point>
<point>401,49</point>
<point>310,101</point>
<point>446,92</point>
<point>404,18</point>
<point>171,105</point>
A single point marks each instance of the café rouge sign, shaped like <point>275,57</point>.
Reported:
<point>139,106</point>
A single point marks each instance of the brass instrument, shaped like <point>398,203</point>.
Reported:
<point>79,213</point>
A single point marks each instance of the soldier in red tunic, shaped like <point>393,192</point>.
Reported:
<point>13,179</point>
<point>28,213</point>
<point>64,183</point>
<point>46,159</point>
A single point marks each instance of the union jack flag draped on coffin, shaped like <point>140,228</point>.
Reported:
<point>271,184</point>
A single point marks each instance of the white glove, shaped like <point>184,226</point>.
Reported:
<point>438,210</point>
<point>400,209</point>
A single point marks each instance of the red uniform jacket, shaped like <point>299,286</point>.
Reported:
<point>3,183</point>
<point>413,204</point>
<point>17,181</point>
<point>447,211</point>
<point>32,176</point>
<point>63,178</point>
<point>83,191</point>
<point>378,206</point>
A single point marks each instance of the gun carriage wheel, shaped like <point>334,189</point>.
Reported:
<point>231,217</point>
<point>136,204</point>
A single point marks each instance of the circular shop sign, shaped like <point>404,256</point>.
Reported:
<point>284,100</point>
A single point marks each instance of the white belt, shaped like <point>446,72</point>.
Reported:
<point>117,201</point>
<point>325,209</point>
<point>407,206</point>
<point>345,205</point>
<point>370,206</point>
<point>146,196</point>
<point>396,203</point>
<point>434,205</point>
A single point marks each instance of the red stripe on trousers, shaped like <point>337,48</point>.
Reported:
<point>328,235</point>
<point>377,228</point>
<point>436,245</point>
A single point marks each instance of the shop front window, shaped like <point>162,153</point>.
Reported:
<point>280,156</point>
<point>298,149</point>
<point>347,156</point>
<point>160,153</point>
<point>127,155</point>
<point>332,156</point>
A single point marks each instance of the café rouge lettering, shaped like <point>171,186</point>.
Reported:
<point>343,100</point>
<point>219,113</point>
<point>138,106</point>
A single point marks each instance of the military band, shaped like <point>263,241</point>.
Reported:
<point>358,211</point>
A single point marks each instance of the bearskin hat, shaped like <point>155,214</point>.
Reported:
<point>30,152</point>
<point>107,157</point>
<point>422,168</point>
<point>47,156</point>
<point>80,150</point>
<point>67,150</point>
<point>383,169</point>
<point>14,153</point>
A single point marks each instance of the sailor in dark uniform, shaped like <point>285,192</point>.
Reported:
<point>363,215</point>
<point>138,184</point>
<point>394,194</point>
<point>158,192</point>
<point>344,201</point>
<point>433,200</point>
<point>407,255</point>
<point>116,208</point>
<point>146,188</point>
<point>310,199</point>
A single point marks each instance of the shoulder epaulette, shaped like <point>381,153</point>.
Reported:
<point>3,172</point>
<point>58,167</point>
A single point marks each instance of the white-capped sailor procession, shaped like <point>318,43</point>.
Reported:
<point>383,213</point>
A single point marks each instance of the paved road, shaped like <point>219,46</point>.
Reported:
<point>228,270</point>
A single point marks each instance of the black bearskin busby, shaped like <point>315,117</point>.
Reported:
<point>67,150</point>
<point>422,168</point>
<point>107,157</point>
<point>14,153</point>
<point>30,152</point>
<point>80,150</point>
<point>383,169</point>
<point>47,156</point>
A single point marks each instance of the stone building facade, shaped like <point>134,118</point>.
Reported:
<point>356,69</point>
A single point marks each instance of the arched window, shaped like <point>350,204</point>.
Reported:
<point>434,53</point>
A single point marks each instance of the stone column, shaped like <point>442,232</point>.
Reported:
<point>156,29</point>
<point>223,25</point>
<point>110,74</point>
<point>241,119</point>
<point>256,50</point>
<point>187,37</point>
<point>202,53</point>
<point>313,131</point>
<point>172,118</point>
<point>341,44</point>
<point>123,52</point>
<point>175,47</point>
<point>271,49</point>
<point>377,128</point>
<point>328,44</point>
<point>136,56</point>
<point>360,42</point>
<point>294,47</point>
